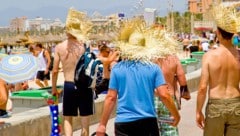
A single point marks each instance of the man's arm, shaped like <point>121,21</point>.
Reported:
<point>48,58</point>
<point>111,57</point>
<point>167,100</point>
<point>180,74</point>
<point>109,104</point>
<point>181,79</point>
<point>55,71</point>
<point>202,92</point>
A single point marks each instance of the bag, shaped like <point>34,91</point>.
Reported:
<point>184,92</point>
<point>86,71</point>
<point>102,86</point>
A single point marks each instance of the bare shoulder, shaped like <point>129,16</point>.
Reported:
<point>61,45</point>
<point>2,82</point>
<point>212,54</point>
<point>173,59</point>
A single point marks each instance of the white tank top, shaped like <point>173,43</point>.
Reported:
<point>41,62</point>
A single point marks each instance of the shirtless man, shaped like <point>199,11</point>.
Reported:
<point>173,74</point>
<point>75,101</point>
<point>185,44</point>
<point>220,80</point>
<point>68,53</point>
<point>108,58</point>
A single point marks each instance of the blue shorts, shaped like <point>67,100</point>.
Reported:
<point>77,100</point>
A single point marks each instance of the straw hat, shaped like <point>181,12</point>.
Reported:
<point>227,17</point>
<point>138,42</point>
<point>77,24</point>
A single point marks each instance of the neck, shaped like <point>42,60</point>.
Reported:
<point>227,43</point>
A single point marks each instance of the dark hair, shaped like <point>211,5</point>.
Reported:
<point>204,35</point>
<point>102,47</point>
<point>225,35</point>
<point>39,45</point>
<point>198,42</point>
<point>31,48</point>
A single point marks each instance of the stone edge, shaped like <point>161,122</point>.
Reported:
<point>38,121</point>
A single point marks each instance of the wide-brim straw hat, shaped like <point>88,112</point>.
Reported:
<point>227,17</point>
<point>138,42</point>
<point>77,24</point>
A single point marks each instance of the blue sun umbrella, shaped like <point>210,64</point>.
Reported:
<point>18,68</point>
<point>2,55</point>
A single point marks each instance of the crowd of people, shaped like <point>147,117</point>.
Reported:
<point>43,75</point>
<point>144,83</point>
<point>204,42</point>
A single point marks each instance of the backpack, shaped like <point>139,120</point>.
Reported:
<point>88,71</point>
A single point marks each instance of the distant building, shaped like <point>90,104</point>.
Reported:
<point>98,19</point>
<point>24,24</point>
<point>150,16</point>
<point>106,23</point>
<point>18,24</point>
<point>43,24</point>
<point>4,30</point>
<point>202,6</point>
<point>199,6</point>
<point>193,6</point>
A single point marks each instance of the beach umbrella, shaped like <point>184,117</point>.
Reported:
<point>18,68</point>
<point>2,55</point>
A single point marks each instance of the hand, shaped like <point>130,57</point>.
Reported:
<point>54,91</point>
<point>200,120</point>
<point>175,121</point>
<point>101,130</point>
<point>46,72</point>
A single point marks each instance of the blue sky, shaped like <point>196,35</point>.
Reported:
<point>34,5</point>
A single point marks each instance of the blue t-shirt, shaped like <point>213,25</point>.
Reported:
<point>135,83</point>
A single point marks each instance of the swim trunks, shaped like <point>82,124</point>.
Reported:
<point>77,100</point>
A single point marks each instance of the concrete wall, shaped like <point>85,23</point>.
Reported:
<point>193,79</point>
<point>37,122</point>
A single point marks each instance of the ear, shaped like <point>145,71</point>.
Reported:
<point>218,34</point>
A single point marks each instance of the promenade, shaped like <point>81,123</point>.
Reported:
<point>25,120</point>
<point>187,125</point>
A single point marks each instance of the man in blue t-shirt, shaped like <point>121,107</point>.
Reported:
<point>135,80</point>
<point>132,86</point>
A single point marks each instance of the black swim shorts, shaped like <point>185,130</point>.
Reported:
<point>75,101</point>
<point>41,76</point>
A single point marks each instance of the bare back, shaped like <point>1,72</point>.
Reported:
<point>68,53</point>
<point>222,71</point>
<point>185,41</point>
<point>171,68</point>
